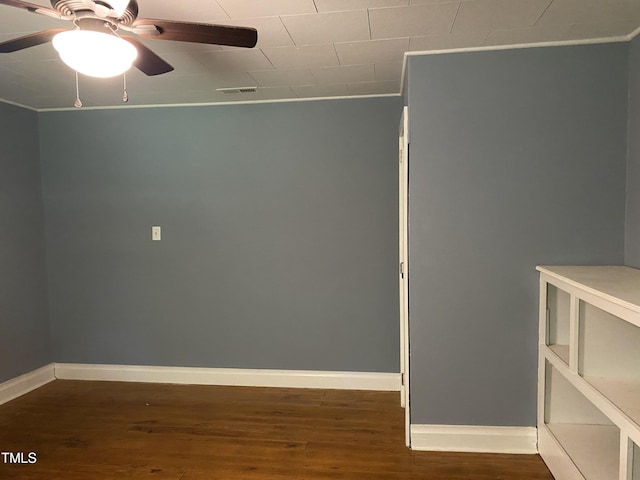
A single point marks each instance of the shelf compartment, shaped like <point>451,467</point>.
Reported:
<point>634,464</point>
<point>562,351</point>
<point>594,449</point>
<point>558,314</point>
<point>609,358</point>
<point>588,436</point>
<point>623,394</point>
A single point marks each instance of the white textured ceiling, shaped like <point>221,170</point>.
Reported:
<point>306,48</point>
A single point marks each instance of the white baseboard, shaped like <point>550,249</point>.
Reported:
<point>18,386</point>
<point>231,376</point>
<point>461,438</point>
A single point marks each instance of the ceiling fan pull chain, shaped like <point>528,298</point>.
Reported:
<point>78,102</point>
<point>125,95</point>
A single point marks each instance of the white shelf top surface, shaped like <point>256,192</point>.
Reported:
<point>624,394</point>
<point>618,284</point>
<point>561,351</point>
<point>595,449</point>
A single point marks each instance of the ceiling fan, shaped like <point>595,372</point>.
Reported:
<point>96,36</point>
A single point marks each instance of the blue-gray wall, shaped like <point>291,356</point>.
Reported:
<point>279,235</point>
<point>632,238</point>
<point>517,159</point>
<point>25,342</point>
<point>279,226</point>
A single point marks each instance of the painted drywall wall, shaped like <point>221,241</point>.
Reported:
<point>279,235</point>
<point>632,229</point>
<point>25,341</point>
<point>517,158</point>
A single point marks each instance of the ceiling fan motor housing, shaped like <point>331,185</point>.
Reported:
<point>72,7</point>
<point>95,24</point>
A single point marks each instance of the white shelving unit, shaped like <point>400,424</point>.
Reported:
<point>589,372</point>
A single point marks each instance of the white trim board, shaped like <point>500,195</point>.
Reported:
<point>462,438</point>
<point>212,104</point>
<point>518,46</point>
<point>15,104</point>
<point>231,376</point>
<point>18,386</point>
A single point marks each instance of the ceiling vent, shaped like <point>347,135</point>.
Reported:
<point>237,91</point>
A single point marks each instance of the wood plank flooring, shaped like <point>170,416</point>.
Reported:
<point>112,430</point>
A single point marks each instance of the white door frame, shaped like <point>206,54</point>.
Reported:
<point>403,270</point>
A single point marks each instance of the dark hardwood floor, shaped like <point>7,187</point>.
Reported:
<point>111,430</point>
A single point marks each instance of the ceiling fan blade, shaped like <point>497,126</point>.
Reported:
<point>30,40</point>
<point>147,61</point>
<point>196,32</point>
<point>32,7</point>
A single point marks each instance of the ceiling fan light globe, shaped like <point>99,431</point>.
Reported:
<point>95,54</point>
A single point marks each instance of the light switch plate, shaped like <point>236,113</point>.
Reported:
<point>156,233</point>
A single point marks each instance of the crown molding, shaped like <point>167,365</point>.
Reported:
<point>488,48</point>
